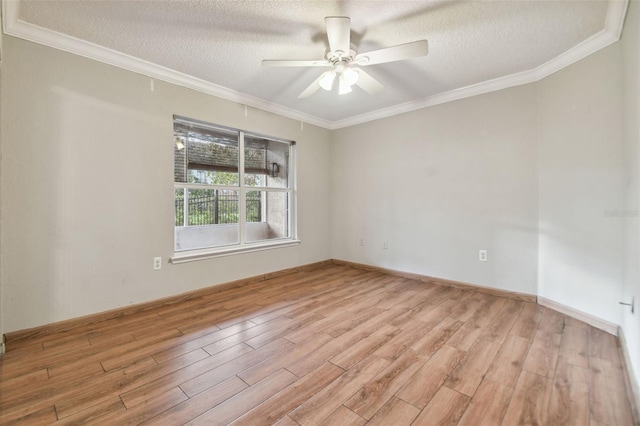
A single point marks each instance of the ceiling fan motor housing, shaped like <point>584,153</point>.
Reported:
<point>339,56</point>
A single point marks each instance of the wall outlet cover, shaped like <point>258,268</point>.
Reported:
<point>482,255</point>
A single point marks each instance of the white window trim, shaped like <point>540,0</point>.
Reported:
<point>185,256</point>
<point>202,254</point>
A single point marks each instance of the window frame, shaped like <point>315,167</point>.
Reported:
<point>242,246</point>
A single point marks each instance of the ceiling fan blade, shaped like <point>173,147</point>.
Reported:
<point>339,33</point>
<point>313,88</point>
<point>395,53</point>
<point>368,83</point>
<point>294,63</point>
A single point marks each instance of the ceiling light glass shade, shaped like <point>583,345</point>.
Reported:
<point>326,81</point>
<point>350,76</point>
<point>344,87</point>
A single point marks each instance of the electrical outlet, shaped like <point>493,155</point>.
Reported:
<point>362,242</point>
<point>385,244</point>
<point>482,255</point>
<point>157,263</point>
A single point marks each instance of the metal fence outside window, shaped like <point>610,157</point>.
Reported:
<point>216,208</point>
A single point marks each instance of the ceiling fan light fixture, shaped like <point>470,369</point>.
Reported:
<point>344,87</point>
<point>326,81</point>
<point>350,76</point>
<point>342,54</point>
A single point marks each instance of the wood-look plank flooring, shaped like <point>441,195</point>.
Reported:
<point>333,346</point>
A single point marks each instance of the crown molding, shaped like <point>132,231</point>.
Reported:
<point>13,26</point>
<point>440,98</point>
<point>610,34</point>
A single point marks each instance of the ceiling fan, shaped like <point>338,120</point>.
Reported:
<point>342,58</point>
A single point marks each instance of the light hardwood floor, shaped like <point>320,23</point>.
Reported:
<point>334,346</point>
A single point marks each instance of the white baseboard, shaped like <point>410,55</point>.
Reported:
<point>633,391</point>
<point>607,326</point>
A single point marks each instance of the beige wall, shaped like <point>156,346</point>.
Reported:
<point>631,136</point>
<point>439,184</point>
<point>581,177</point>
<point>1,269</point>
<point>87,155</point>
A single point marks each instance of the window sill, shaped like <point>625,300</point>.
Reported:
<point>194,255</point>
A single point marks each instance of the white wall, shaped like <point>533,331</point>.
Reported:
<point>87,160</point>
<point>631,136</point>
<point>439,184</point>
<point>581,177</point>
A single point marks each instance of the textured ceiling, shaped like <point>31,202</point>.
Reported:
<point>223,42</point>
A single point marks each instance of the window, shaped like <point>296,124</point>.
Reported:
<point>233,189</point>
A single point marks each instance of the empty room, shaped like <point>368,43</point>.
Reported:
<point>325,212</point>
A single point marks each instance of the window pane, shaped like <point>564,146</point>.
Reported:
<point>266,163</point>
<point>208,189</point>
<point>267,215</point>
<point>206,218</point>
<point>205,155</point>
<point>179,207</point>
<point>254,206</point>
